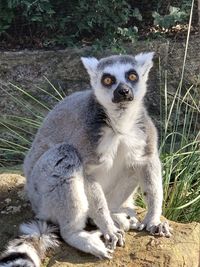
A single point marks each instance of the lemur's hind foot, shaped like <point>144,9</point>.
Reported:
<point>89,242</point>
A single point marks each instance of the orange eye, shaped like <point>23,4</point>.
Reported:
<point>107,81</point>
<point>132,77</point>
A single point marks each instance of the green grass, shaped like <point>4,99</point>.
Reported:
<point>180,150</point>
<point>180,155</point>
<point>19,131</point>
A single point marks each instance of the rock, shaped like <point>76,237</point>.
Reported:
<point>141,250</point>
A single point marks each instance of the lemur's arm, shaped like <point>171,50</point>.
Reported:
<point>100,213</point>
<point>151,185</point>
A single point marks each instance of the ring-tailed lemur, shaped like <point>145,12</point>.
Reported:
<point>93,151</point>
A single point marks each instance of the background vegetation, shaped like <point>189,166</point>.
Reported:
<point>47,23</point>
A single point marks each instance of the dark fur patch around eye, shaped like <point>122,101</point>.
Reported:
<point>128,73</point>
<point>109,76</point>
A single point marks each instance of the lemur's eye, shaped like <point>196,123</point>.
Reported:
<point>132,77</point>
<point>108,79</point>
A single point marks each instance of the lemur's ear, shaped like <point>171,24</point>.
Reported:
<point>145,61</point>
<point>90,63</point>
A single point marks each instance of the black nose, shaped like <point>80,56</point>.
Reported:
<point>123,91</point>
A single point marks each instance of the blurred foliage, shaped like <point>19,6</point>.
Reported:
<point>167,21</point>
<point>45,23</point>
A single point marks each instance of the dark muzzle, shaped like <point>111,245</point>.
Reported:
<point>122,93</point>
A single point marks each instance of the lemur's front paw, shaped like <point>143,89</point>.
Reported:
<point>114,237</point>
<point>156,228</point>
<point>162,229</point>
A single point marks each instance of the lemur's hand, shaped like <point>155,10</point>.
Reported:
<point>156,227</point>
<point>113,237</point>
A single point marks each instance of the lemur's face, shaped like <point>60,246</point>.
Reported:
<point>119,79</point>
<point>118,82</point>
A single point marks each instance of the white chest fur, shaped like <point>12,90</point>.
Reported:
<point>130,147</point>
<point>117,154</point>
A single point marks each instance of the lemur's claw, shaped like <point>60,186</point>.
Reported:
<point>121,238</point>
<point>159,229</point>
<point>162,229</point>
<point>115,238</point>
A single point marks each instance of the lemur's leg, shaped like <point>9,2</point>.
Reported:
<point>100,214</point>
<point>121,202</point>
<point>57,191</point>
<point>151,185</point>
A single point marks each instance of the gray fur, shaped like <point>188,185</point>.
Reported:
<point>109,61</point>
<point>90,156</point>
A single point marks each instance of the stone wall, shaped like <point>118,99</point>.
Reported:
<point>64,69</point>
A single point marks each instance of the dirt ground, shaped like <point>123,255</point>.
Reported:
<point>141,250</point>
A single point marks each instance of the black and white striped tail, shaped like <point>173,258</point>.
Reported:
<point>29,249</point>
